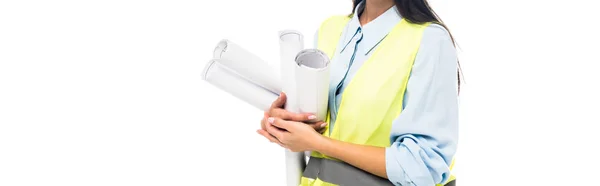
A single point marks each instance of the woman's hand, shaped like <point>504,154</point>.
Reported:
<point>278,111</point>
<point>293,135</point>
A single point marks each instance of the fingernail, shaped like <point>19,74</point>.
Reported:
<point>271,119</point>
<point>312,117</point>
<point>323,125</point>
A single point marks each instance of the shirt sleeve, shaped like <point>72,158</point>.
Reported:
<point>424,136</point>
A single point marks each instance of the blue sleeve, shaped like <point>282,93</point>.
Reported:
<point>424,136</point>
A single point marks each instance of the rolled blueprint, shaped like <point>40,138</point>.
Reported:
<point>312,82</point>
<point>290,44</point>
<point>304,77</point>
<point>231,82</point>
<point>247,65</point>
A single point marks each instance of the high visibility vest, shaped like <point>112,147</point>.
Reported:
<point>370,102</point>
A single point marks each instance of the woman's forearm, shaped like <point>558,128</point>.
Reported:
<point>367,158</point>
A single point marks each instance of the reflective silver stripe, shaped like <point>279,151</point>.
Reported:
<point>344,174</point>
<point>341,173</point>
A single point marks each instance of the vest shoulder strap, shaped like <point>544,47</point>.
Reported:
<point>330,32</point>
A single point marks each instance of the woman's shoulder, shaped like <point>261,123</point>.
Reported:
<point>436,32</point>
<point>436,47</point>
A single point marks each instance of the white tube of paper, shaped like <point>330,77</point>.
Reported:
<point>247,65</point>
<point>312,82</point>
<point>290,44</point>
<point>229,81</point>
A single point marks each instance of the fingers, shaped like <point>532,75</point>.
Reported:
<point>264,121</point>
<point>267,135</point>
<point>322,130</point>
<point>277,122</point>
<point>318,126</point>
<point>286,115</point>
<point>263,131</point>
<point>270,137</point>
<point>278,133</point>
<point>279,102</point>
<point>282,124</point>
<point>287,125</point>
<point>277,110</point>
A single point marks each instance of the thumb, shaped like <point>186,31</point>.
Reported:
<point>280,102</point>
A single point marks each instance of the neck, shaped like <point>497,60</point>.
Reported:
<point>373,9</point>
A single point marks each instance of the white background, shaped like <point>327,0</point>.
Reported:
<point>109,92</point>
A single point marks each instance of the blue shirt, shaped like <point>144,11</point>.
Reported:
<point>424,136</point>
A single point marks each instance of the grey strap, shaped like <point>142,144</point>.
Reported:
<point>344,174</point>
<point>341,173</point>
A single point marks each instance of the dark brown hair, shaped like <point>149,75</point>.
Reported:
<point>418,12</point>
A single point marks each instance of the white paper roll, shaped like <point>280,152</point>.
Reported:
<point>290,44</point>
<point>304,77</point>
<point>312,82</point>
<point>248,65</point>
<point>229,81</point>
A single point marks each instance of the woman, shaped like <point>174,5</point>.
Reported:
<point>392,100</point>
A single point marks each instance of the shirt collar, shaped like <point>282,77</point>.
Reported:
<point>374,31</point>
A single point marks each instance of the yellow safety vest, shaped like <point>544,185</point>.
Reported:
<point>370,102</point>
